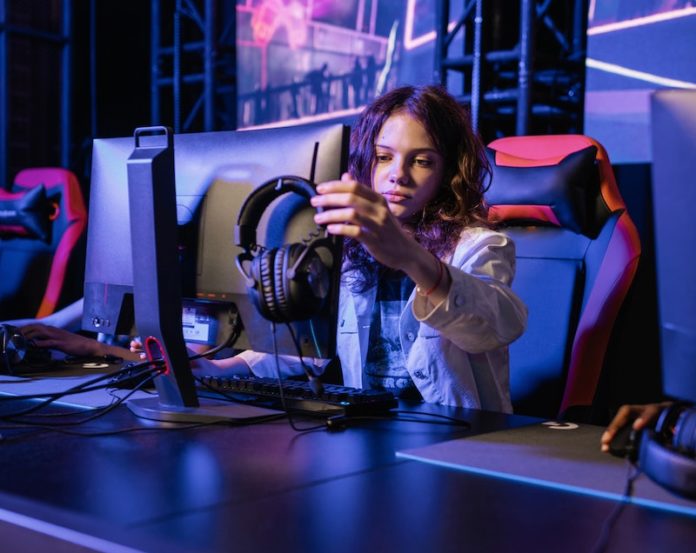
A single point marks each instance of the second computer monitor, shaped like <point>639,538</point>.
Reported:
<point>674,195</point>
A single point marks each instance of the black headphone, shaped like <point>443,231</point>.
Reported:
<point>13,347</point>
<point>666,454</point>
<point>290,283</point>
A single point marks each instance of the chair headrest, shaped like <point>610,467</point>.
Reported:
<point>563,193</point>
<point>26,213</point>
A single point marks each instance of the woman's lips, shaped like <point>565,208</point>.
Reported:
<point>394,197</point>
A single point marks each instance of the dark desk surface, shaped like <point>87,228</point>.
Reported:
<point>268,488</point>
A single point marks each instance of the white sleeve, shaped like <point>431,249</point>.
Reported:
<point>268,365</point>
<point>481,312</point>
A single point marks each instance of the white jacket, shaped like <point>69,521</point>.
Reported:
<point>456,353</point>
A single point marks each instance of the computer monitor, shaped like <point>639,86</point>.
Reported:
<point>214,173</point>
<point>674,200</point>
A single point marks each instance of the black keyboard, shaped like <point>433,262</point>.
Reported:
<point>299,396</point>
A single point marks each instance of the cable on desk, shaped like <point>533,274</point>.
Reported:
<point>88,386</point>
<point>316,387</point>
<point>79,388</point>
<point>228,343</point>
<point>151,368</point>
<point>286,411</point>
<point>633,472</point>
<point>101,410</point>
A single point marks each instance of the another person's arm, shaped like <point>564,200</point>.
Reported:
<point>73,344</point>
<point>68,318</point>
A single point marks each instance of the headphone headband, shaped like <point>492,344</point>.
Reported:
<point>257,202</point>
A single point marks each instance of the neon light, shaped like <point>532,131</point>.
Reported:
<point>306,119</point>
<point>640,21</point>
<point>409,42</point>
<point>640,75</point>
<point>272,14</point>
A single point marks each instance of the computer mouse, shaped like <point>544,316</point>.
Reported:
<point>625,443</point>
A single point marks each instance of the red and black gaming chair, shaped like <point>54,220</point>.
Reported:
<point>42,227</point>
<point>577,253</point>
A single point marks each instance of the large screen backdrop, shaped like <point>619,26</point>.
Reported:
<point>635,47</point>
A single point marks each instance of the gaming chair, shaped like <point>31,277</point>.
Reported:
<point>577,253</point>
<point>42,226</point>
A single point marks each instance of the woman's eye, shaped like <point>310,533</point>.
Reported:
<point>381,158</point>
<point>423,162</point>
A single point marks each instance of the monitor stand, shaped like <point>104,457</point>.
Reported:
<point>157,288</point>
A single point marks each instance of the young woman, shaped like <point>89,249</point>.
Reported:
<point>426,308</point>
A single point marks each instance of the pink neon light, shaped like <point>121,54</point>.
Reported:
<point>270,15</point>
<point>337,114</point>
<point>409,41</point>
<point>640,21</point>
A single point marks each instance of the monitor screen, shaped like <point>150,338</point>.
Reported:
<point>214,174</point>
<point>674,198</point>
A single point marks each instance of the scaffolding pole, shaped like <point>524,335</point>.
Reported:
<point>195,72</point>
<point>513,81</point>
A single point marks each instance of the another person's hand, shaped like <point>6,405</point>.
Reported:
<point>638,416</point>
<point>50,337</point>
<point>136,347</point>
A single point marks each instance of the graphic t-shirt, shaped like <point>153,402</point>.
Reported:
<point>385,366</point>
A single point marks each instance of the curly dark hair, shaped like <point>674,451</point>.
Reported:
<point>459,202</point>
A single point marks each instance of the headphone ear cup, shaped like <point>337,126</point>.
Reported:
<point>262,294</point>
<point>306,293</point>
<point>282,301</point>
<point>13,347</point>
<point>685,432</point>
<point>668,468</point>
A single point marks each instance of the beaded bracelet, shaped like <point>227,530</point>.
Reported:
<point>438,280</point>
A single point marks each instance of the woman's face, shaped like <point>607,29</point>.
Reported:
<point>408,170</point>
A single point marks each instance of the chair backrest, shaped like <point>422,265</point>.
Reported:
<point>577,253</point>
<point>42,228</point>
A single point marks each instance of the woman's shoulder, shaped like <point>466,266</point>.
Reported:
<point>474,234</point>
<point>479,238</point>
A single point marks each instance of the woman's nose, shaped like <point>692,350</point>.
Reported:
<point>397,173</point>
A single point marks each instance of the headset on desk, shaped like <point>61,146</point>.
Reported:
<point>17,352</point>
<point>667,452</point>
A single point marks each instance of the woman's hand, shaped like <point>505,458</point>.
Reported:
<point>228,366</point>
<point>356,211</point>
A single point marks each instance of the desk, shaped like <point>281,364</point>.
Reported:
<point>267,488</point>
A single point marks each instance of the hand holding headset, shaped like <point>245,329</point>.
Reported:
<point>289,283</point>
